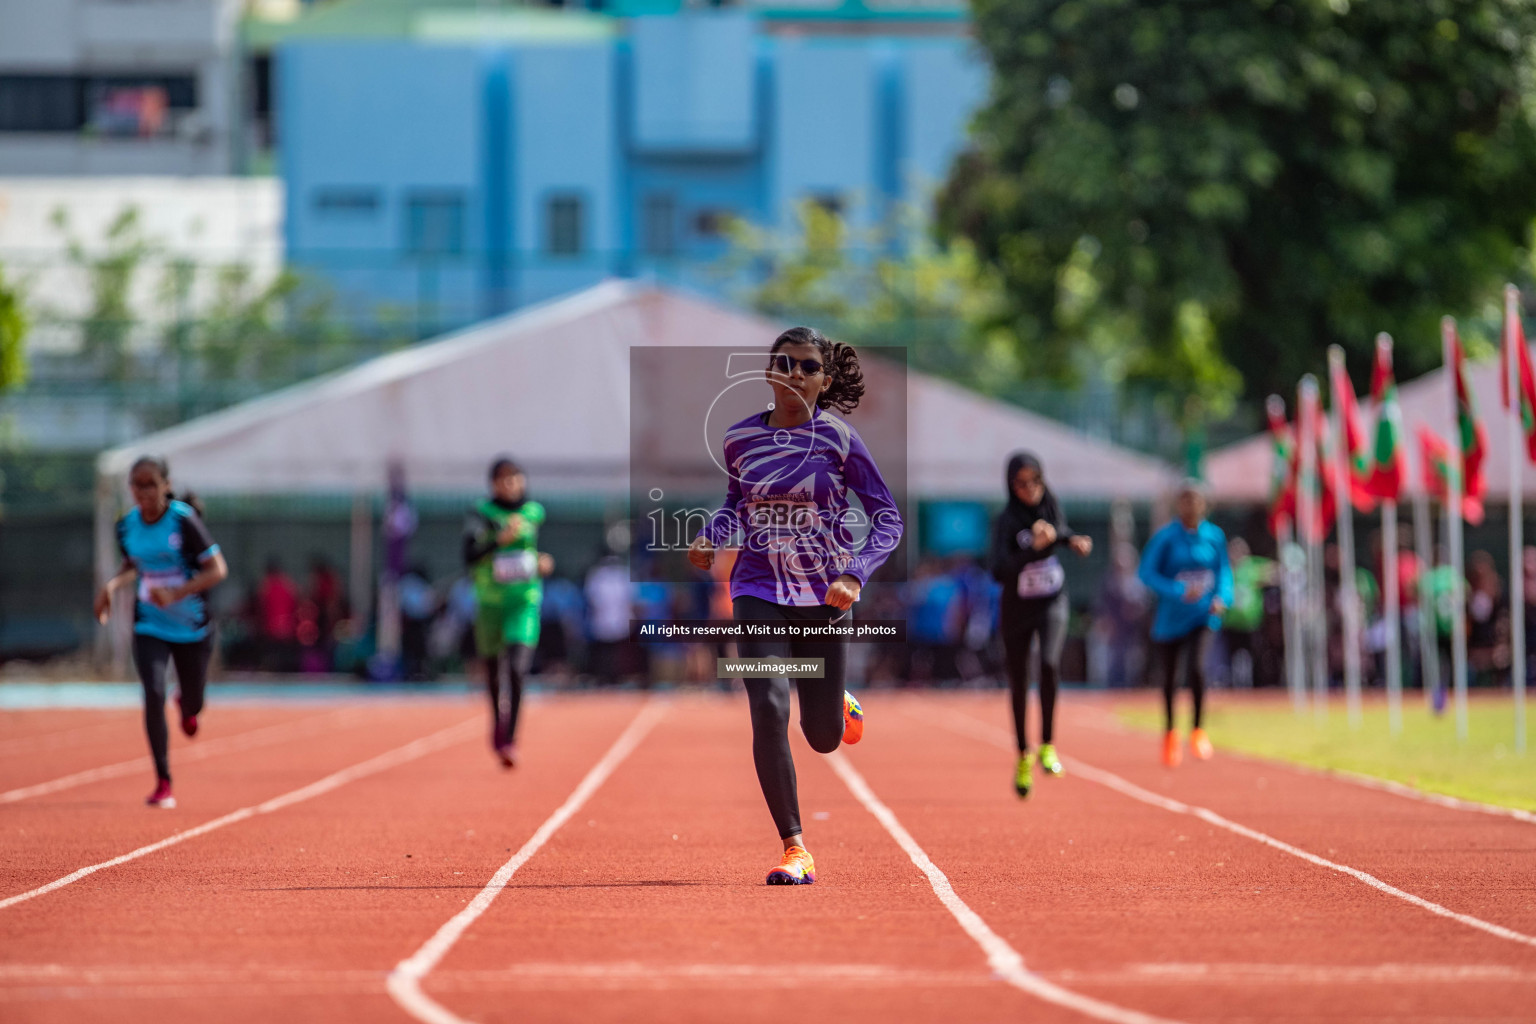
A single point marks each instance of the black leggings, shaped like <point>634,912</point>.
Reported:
<point>821,703</point>
<point>506,701</point>
<point>151,655</point>
<point>1020,622</point>
<point>1186,653</point>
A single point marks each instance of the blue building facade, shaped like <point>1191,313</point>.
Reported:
<point>487,161</point>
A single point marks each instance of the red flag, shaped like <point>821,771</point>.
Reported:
<point>1474,437</point>
<point>1436,456</point>
<point>1354,441</point>
<point>1514,334</point>
<point>1389,471</point>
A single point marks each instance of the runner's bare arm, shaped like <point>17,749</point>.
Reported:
<point>103,603</point>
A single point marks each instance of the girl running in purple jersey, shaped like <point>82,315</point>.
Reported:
<point>801,561</point>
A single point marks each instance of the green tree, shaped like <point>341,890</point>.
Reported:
<point>13,336</point>
<point>889,286</point>
<point>1175,189</point>
<point>110,273</point>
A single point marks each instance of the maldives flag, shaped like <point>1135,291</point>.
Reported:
<point>1282,473</point>
<point>1389,470</point>
<point>1354,437</point>
<point>1436,455</point>
<point>1474,437</point>
<point>1514,334</point>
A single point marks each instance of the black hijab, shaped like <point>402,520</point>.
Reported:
<point>504,464</point>
<point>1019,515</point>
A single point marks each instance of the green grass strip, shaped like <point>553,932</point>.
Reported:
<point>1427,755</point>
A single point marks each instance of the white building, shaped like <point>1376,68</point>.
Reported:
<point>116,87</point>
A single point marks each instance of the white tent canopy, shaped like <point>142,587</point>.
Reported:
<point>551,384</point>
<point>1240,472</point>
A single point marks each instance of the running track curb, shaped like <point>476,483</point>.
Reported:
<point>1135,792</point>
<point>389,759</point>
<point>404,982</point>
<point>1106,722</point>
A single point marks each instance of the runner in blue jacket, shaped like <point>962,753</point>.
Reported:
<point>1185,565</point>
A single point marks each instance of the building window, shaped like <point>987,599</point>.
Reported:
<point>658,225</point>
<point>141,106</point>
<point>41,103</point>
<point>434,224</point>
<point>712,223</point>
<point>347,202</point>
<point>562,225</point>
<point>829,202</point>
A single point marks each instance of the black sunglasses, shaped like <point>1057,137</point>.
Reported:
<point>786,365</point>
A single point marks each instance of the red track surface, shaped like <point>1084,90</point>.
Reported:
<point>648,904</point>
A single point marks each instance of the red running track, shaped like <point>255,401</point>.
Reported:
<point>345,837</point>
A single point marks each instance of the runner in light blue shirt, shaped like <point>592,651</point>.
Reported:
<point>170,556</point>
<point>1185,565</point>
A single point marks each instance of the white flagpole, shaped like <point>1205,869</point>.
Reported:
<point>1290,582</point>
<point>1349,598</point>
<point>1292,595</point>
<point>1316,616</point>
<point>1429,649</point>
<point>1453,516</point>
<point>1391,604</point>
<point>1516,527</point>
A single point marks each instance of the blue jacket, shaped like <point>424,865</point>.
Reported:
<point>1175,556</point>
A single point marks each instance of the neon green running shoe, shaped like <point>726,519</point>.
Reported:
<point>1048,759</point>
<point>1024,779</point>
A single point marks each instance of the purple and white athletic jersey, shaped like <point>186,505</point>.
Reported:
<point>788,498</point>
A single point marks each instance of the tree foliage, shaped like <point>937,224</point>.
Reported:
<point>208,323</point>
<point>13,335</point>
<point>1177,188</point>
<point>891,287</point>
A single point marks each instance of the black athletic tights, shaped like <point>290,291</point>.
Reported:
<point>821,703</point>
<point>1020,622</point>
<point>1184,656</point>
<point>506,700</point>
<point>151,656</point>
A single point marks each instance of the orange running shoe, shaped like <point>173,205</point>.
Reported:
<point>853,718</point>
<point>796,868</point>
<point>1172,752</point>
<point>1200,743</point>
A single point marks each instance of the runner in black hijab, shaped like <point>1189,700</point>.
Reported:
<point>1025,539</point>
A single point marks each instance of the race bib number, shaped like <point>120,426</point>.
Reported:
<point>155,580</point>
<point>797,516</point>
<point>1204,579</point>
<point>1044,578</point>
<point>514,566</point>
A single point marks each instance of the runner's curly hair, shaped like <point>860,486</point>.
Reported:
<point>841,364</point>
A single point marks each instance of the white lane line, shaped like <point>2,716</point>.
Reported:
<point>49,982</point>
<point>1289,974</point>
<point>962,723</point>
<point>63,737</point>
<point>404,982</point>
<point>264,736</point>
<point>390,759</point>
<point>21,983</point>
<point>1004,960</point>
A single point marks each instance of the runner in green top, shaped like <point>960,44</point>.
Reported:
<point>501,551</point>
